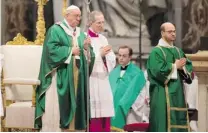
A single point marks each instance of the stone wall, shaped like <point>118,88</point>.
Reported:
<point>194,24</point>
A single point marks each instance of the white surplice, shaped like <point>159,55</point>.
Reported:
<point>101,97</point>
<point>191,93</point>
<point>140,109</point>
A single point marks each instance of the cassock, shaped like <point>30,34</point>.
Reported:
<point>101,97</point>
<point>168,109</point>
<point>61,96</point>
<point>126,84</point>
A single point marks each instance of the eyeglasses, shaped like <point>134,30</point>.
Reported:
<point>99,22</point>
<point>170,31</point>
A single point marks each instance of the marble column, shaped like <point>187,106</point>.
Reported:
<point>177,4</point>
<point>57,10</point>
<point>58,6</point>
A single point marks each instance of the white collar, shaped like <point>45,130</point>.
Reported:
<point>69,30</point>
<point>163,43</point>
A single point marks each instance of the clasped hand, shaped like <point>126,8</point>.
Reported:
<point>87,42</point>
<point>76,49</point>
<point>180,63</point>
<point>105,50</point>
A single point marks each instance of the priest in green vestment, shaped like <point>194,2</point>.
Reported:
<point>168,68</point>
<point>126,81</point>
<point>62,95</point>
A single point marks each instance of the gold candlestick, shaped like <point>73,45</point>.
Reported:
<point>64,7</point>
<point>40,24</point>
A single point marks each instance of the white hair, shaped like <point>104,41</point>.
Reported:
<point>72,7</point>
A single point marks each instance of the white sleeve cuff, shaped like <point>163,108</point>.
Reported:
<point>69,58</point>
<point>174,74</point>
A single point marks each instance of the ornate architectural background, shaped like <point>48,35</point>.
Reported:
<point>122,16</point>
<point>20,16</point>
<point>195,24</point>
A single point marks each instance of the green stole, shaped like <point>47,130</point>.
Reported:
<point>125,91</point>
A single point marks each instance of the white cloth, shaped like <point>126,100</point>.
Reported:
<point>101,97</point>
<point>1,102</point>
<point>191,93</point>
<point>51,117</point>
<point>140,108</point>
<point>122,73</point>
<point>174,74</point>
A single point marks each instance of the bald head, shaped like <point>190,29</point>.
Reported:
<point>168,32</point>
<point>166,24</point>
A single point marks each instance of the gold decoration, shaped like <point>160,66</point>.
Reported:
<point>19,40</point>
<point>3,95</point>
<point>115,129</point>
<point>34,96</point>
<point>40,28</point>
<point>40,25</point>
<point>64,7</point>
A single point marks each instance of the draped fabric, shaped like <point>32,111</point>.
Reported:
<point>56,50</point>
<point>168,110</point>
<point>125,91</point>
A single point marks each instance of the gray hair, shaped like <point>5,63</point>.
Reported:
<point>92,16</point>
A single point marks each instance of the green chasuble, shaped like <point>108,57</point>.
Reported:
<point>125,91</point>
<point>56,49</point>
<point>168,109</point>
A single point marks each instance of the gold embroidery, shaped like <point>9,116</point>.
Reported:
<point>115,129</point>
<point>76,78</point>
<point>168,107</point>
<point>162,51</point>
<point>76,72</point>
<point>179,126</point>
<point>173,67</point>
<point>178,109</point>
